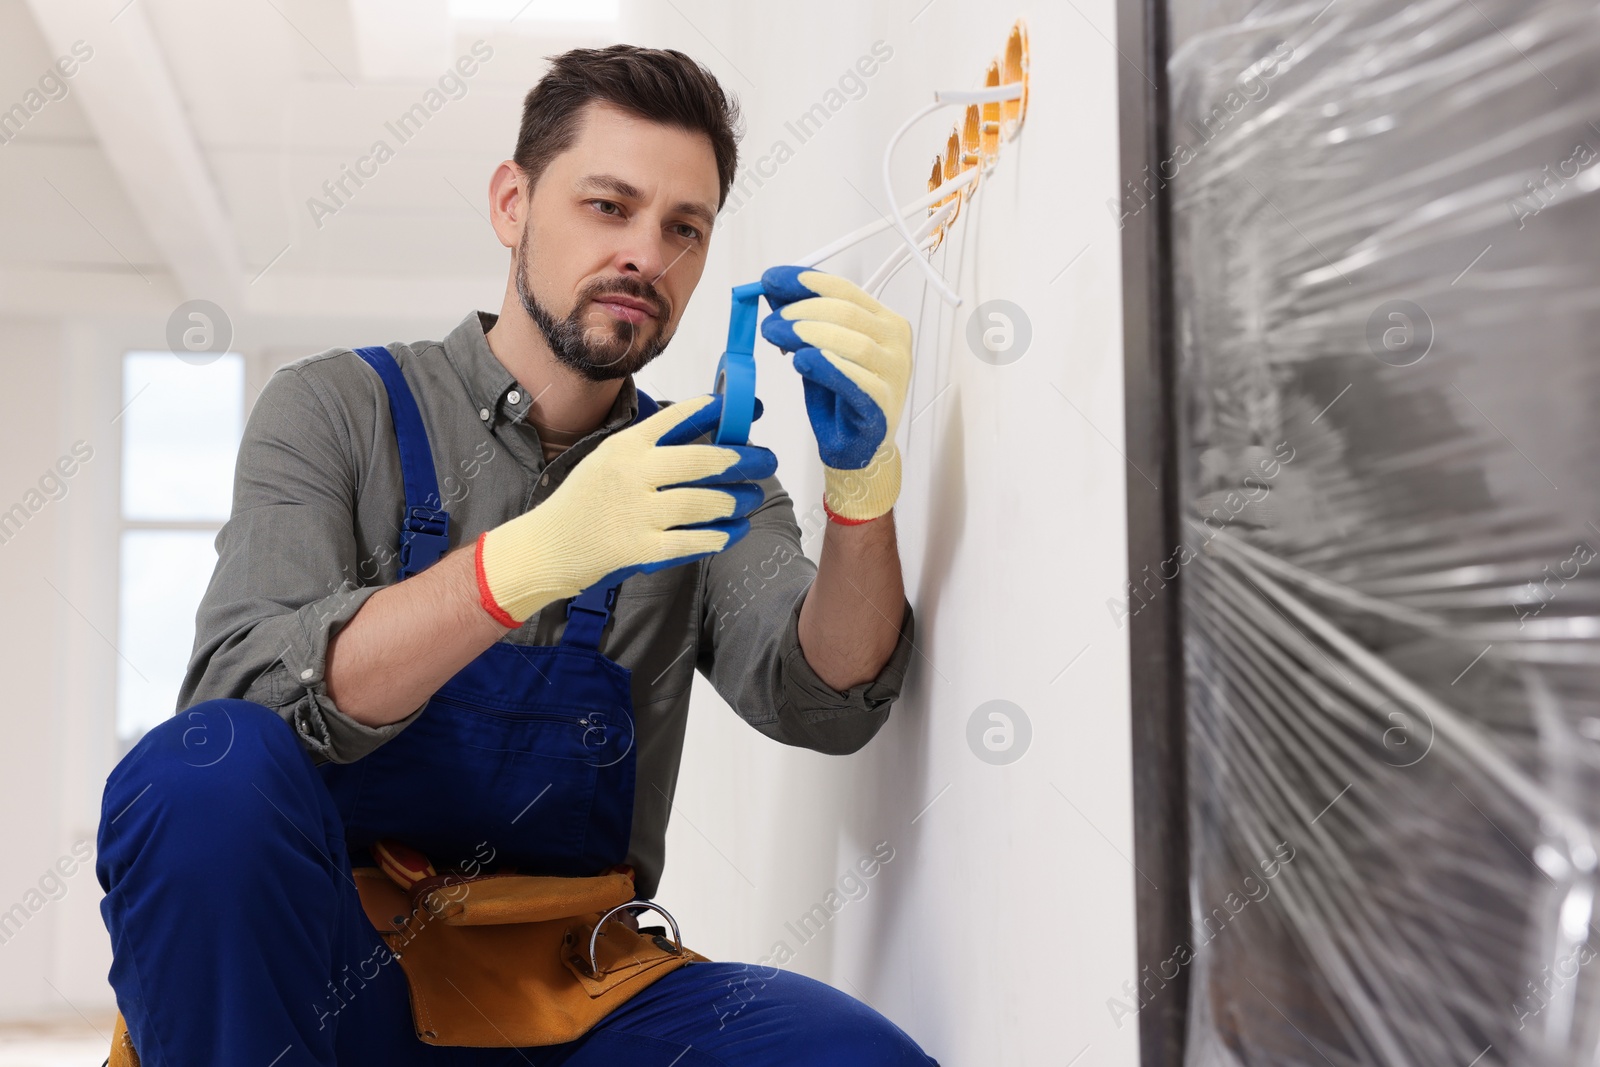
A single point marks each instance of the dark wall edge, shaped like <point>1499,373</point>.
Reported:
<point>1160,793</point>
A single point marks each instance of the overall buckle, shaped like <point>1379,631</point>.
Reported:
<point>575,604</point>
<point>424,539</point>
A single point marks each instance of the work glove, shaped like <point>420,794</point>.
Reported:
<point>854,358</point>
<point>644,499</point>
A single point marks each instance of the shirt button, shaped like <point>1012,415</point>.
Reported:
<point>307,674</point>
<point>514,396</point>
<point>483,413</point>
<point>544,480</point>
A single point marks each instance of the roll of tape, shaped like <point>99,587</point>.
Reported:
<point>736,371</point>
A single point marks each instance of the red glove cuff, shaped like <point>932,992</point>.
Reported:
<point>842,521</point>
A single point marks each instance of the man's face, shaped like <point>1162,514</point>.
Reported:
<point>616,237</point>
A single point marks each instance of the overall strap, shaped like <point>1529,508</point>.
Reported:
<point>647,406</point>
<point>425,534</point>
<point>588,611</point>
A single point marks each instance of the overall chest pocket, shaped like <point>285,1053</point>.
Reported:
<point>525,782</point>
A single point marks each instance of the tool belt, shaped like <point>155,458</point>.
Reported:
<point>503,960</point>
<point>512,960</point>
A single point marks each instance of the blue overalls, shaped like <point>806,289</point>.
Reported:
<point>526,753</point>
<point>238,935</point>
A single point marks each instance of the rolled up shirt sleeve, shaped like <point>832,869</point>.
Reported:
<point>750,641</point>
<point>288,574</point>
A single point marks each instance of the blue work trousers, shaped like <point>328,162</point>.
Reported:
<point>238,937</point>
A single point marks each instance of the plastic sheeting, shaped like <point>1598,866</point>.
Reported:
<point>1387,278</point>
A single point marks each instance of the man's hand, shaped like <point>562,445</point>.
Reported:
<point>854,356</point>
<point>645,498</point>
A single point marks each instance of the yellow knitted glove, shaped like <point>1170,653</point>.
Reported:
<point>854,358</point>
<point>614,512</point>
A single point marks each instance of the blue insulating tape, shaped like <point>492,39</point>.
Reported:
<point>736,371</point>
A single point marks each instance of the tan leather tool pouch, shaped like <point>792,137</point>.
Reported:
<point>503,960</point>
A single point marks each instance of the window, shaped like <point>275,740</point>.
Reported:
<point>181,426</point>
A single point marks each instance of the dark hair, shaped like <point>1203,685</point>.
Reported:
<point>660,84</point>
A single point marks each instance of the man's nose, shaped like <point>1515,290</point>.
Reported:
<point>643,253</point>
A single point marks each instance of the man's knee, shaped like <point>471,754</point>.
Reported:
<point>846,1032</point>
<point>243,734</point>
<point>809,1021</point>
<point>197,783</point>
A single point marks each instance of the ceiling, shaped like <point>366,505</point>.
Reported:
<point>185,156</point>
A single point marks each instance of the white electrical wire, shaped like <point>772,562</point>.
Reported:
<point>989,94</point>
<point>912,244</point>
<point>926,236</point>
<point>877,226</point>
<point>946,293</point>
<point>926,239</point>
<point>890,267</point>
<point>901,259</point>
<point>941,98</point>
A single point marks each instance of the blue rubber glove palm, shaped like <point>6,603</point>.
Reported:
<point>854,357</point>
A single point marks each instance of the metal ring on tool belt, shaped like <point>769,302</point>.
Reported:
<point>677,940</point>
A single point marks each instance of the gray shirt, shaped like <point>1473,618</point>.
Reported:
<point>314,531</point>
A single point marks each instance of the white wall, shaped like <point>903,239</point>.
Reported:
<point>31,439</point>
<point>1004,921</point>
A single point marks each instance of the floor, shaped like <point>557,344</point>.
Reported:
<point>75,1043</point>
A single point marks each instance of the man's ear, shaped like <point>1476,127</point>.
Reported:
<point>508,202</point>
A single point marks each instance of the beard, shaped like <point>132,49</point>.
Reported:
<point>599,353</point>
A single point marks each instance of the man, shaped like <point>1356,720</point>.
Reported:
<point>492,700</point>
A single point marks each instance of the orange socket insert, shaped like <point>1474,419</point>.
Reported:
<point>953,169</point>
<point>1015,69</point>
<point>971,142</point>
<point>935,180</point>
<point>990,126</point>
<point>976,143</point>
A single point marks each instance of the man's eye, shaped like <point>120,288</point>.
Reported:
<point>692,234</point>
<point>603,204</point>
